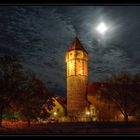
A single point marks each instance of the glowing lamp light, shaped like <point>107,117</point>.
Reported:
<point>102,28</point>
<point>87,113</point>
<point>55,113</point>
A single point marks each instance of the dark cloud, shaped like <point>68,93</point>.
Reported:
<point>41,35</point>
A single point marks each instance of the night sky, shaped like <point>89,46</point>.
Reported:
<point>41,35</point>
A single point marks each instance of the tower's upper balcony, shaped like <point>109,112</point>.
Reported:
<point>76,51</point>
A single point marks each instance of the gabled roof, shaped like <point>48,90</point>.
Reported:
<point>76,45</point>
<point>61,101</point>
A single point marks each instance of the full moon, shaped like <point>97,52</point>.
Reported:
<point>102,28</point>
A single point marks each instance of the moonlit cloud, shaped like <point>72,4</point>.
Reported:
<point>41,35</point>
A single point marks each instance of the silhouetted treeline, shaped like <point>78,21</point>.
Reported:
<point>122,91</point>
<point>21,93</point>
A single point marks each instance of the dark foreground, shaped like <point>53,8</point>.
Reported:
<point>90,128</point>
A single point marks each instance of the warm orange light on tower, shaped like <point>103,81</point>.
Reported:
<point>77,78</point>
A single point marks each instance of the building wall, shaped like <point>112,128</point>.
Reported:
<point>57,111</point>
<point>77,78</point>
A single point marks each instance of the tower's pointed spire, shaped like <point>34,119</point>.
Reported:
<point>76,45</point>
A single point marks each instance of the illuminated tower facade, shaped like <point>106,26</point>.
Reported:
<point>77,79</point>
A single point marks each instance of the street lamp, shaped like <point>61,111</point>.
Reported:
<point>88,113</point>
<point>55,113</point>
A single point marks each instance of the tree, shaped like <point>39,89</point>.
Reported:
<point>123,91</point>
<point>136,81</point>
<point>12,80</point>
<point>32,100</point>
<point>104,110</point>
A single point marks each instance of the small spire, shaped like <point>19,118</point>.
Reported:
<point>76,45</point>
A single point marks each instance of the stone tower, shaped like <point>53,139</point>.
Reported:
<point>77,78</point>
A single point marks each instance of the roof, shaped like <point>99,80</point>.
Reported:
<point>76,45</point>
<point>94,87</point>
<point>61,101</point>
